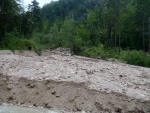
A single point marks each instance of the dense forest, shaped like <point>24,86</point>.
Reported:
<point>96,28</point>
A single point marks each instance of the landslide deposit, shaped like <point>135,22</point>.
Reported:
<point>57,80</point>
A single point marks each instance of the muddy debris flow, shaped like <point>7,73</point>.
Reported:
<point>58,80</point>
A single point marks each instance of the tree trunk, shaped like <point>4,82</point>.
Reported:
<point>111,38</point>
<point>109,33</point>
<point>149,34</point>
<point>119,25</point>
<point>115,39</point>
<point>20,27</point>
<point>2,19</point>
<point>143,39</point>
<point>115,36</point>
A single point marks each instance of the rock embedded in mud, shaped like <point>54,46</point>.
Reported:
<point>122,75</point>
<point>53,92</point>
<point>30,85</point>
<point>9,87</point>
<point>89,72</point>
<point>10,98</point>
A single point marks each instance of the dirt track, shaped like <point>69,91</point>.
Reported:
<point>73,83</point>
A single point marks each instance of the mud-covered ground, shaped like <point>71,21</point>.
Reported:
<point>58,80</point>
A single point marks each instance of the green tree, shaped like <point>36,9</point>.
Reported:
<point>9,10</point>
<point>32,20</point>
<point>67,33</point>
<point>142,15</point>
<point>35,14</point>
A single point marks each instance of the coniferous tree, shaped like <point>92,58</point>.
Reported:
<point>9,9</point>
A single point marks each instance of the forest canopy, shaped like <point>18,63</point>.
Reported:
<point>105,28</point>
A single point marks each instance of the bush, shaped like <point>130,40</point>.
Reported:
<point>135,57</point>
<point>46,40</point>
<point>94,51</point>
<point>19,44</point>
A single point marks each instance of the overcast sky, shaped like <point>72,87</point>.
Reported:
<point>41,2</point>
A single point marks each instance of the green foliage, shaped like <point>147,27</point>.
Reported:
<point>135,57</point>
<point>57,37</point>
<point>9,18</point>
<point>19,44</point>
<point>44,40</point>
<point>94,51</point>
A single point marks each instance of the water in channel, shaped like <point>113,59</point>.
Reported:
<point>18,109</point>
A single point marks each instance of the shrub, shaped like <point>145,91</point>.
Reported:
<point>94,51</point>
<point>135,57</point>
<point>19,44</point>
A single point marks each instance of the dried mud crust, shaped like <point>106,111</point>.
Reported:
<point>73,83</point>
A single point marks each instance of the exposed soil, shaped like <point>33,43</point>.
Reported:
<point>58,80</point>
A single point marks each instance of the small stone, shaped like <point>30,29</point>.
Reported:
<point>68,76</point>
<point>9,87</point>
<point>53,92</point>
<point>120,76</point>
<point>89,72</point>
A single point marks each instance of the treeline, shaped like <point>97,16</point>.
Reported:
<point>105,28</point>
<point>114,23</point>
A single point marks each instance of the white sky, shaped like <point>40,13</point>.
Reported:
<point>41,2</point>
